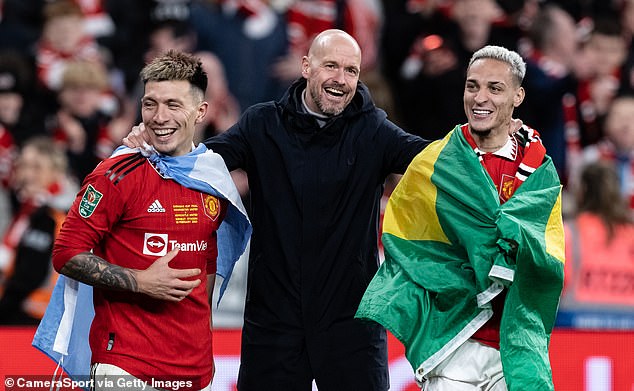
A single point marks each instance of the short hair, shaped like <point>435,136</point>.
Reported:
<point>87,74</point>
<point>174,65</point>
<point>518,66</point>
<point>47,147</point>
<point>600,193</point>
<point>543,30</point>
<point>60,9</point>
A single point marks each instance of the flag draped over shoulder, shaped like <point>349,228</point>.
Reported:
<point>450,248</point>
<point>63,331</point>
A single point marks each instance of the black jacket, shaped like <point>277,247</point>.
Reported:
<point>315,195</point>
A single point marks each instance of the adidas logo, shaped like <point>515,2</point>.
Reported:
<point>156,207</point>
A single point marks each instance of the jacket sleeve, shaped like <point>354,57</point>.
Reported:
<point>233,144</point>
<point>401,148</point>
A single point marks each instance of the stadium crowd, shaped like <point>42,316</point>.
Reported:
<point>69,77</point>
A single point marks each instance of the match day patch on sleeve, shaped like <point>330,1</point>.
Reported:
<point>89,201</point>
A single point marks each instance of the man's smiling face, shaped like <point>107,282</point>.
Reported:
<point>490,96</point>
<point>332,73</point>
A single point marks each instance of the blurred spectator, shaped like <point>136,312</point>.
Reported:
<point>129,40</point>
<point>430,80</point>
<point>12,86</point>
<point>599,270</point>
<point>20,111</point>
<point>63,40</point>
<point>97,22</point>
<point>606,51</point>
<point>550,84</point>
<point>627,22</point>
<point>20,24</point>
<point>10,106</point>
<point>8,152</point>
<point>617,145</point>
<point>45,193</point>
<point>307,18</point>
<point>81,125</point>
<point>247,36</point>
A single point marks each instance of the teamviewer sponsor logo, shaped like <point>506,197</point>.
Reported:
<point>159,244</point>
<point>155,244</point>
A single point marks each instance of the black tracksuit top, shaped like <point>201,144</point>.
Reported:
<point>314,204</point>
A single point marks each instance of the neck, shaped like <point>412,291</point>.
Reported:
<point>489,141</point>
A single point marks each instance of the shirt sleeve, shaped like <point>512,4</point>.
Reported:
<point>96,209</point>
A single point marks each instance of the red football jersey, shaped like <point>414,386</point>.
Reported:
<point>501,166</point>
<point>130,216</point>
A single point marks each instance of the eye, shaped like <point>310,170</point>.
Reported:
<point>352,71</point>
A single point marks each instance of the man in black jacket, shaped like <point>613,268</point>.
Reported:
<point>316,162</point>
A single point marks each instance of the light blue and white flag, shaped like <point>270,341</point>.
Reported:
<point>63,332</point>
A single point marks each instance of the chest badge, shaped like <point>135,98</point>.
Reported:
<point>89,202</point>
<point>212,206</point>
<point>507,188</point>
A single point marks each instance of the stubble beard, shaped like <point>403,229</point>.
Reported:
<point>481,133</point>
<point>330,111</point>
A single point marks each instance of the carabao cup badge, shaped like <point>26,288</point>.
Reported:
<point>89,202</point>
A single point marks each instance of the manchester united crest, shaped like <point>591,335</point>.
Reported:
<point>212,206</point>
<point>507,188</point>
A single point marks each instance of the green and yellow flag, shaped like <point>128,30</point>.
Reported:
<point>450,248</point>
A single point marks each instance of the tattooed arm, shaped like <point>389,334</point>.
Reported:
<point>158,281</point>
<point>93,270</point>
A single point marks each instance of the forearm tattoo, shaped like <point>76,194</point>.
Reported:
<point>93,270</point>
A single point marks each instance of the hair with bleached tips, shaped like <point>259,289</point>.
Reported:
<point>174,65</point>
<point>518,66</point>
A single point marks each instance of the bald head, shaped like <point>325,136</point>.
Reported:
<point>329,39</point>
<point>331,70</point>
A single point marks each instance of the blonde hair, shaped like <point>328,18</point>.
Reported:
<point>175,65</point>
<point>61,8</point>
<point>515,61</point>
<point>84,74</point>
<point>48,148</point>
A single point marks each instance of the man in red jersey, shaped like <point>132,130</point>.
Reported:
<point>473,239</point>
<point>148,246</point>
<point>492,91</point>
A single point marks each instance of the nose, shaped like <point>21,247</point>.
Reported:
<point>339,76</point>
<point>160,115</point>
<point>481,96</point>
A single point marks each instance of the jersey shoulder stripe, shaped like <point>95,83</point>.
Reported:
<point>123,167</point>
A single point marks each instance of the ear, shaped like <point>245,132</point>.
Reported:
<point>519,97</point>
<point>305,67</point>
<point>203,107</point>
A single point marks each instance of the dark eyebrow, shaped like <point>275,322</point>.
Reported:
<point>497,83</point>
